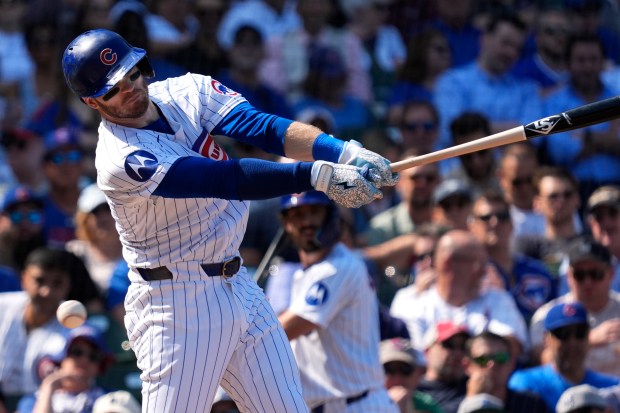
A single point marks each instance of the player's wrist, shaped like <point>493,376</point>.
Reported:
<point>327,148</point>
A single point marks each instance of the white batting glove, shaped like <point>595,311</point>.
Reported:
<point>347,185</point>
<point>355,154</point>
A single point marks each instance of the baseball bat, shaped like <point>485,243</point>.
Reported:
<point>580,117</point>
<point>260,275</point>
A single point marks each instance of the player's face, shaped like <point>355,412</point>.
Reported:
<point>303,224</point>
<point>46,288</point>
<point>128,99</point>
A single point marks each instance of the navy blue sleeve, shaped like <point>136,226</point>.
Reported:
<point>246,124</point>
<point>238,179</point>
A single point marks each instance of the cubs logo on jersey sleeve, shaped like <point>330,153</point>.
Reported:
<point>140,165</point>
<point>317,294</point>
<point>221,89</point>
<point>209,148</point>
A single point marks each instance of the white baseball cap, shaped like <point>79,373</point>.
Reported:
<point>117,402</point>
<point>480,403</point>
<point>578,397</point>
<point>90,198</point>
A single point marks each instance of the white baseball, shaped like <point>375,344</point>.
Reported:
<point>71,313</point>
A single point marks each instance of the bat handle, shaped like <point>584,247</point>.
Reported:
<point>502,138</point>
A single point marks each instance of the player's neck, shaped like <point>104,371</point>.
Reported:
<point>308,258</point>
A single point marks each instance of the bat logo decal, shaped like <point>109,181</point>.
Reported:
<point>544,126</point>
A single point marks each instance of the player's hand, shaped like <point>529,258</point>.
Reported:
<point>354,154</point>
<point>347,185</point>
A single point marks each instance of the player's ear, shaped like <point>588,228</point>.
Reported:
<point>91,102</point>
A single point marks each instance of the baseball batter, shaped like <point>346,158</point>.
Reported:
<point>193,316</point>
<point>332,320</point>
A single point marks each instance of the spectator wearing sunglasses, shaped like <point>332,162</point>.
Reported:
<point>62,165</point>
<point>488,365</point>
<point>24,150</point>
<point>566,338</point>
<point>527,279</point>
<point>589,279</point>
<point>404,367</point>
<point>68,380</point>
<point>444,380</point>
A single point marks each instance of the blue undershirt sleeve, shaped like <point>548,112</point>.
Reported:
<point>236,179</point>
<point>246,124</point>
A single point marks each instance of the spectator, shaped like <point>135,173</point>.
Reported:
<point>244,57</point>
<point>276,17</point>
<point>24,151</point>
<point>445,379</point>
<point>592,154</point>
<point>558,201</point>
<point>452,201</point>
<point>486,85</point>
<point>21,229</point>
<point>460,263</point>
<point>288,56</point>
<point>28,325</point>
<point>63,168</point>
<point>547,66</point>
<point>97,242</point>
<point>579,398</point>
<point>454,20</point>
<point>526,279</point>
<point>332,310</point>
<point>419,126</point>
<point>70,385</point>
<point>589,279</point>
<point>488,366</point>
<point>517,165</point>
<point>481,403</point>
<point>384,48</point>
<point>566,337</point>
<point>120,401</point>
<point>416,186</point>
<point>603,215</point>
<point>428,56</point>
<point>404,367</point>
<point>171,25</point>
<point>325,88</point>
<point>476,168</point>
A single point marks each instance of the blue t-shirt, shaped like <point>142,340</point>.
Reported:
<point>549,384</point>
<point>119,284</point>
<point>9,280</point>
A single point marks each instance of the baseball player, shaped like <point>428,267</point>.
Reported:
<point>193,316</point>
<point>332,320</point>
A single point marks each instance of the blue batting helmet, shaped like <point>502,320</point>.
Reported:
<point>329,233</point>
<point>98,59</point>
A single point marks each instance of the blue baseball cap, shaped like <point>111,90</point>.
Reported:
<point>566,314</point>
<point>19,194</point>
<point>95,337</point>
<point>61,137</point>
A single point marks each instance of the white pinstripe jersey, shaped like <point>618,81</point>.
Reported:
<point>131,163</point>
<point>340,358</point>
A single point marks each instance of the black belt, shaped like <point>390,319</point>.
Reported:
<point>350,400</point>
<point>223,269</point>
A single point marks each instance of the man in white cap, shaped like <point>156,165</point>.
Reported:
<point>481,403</point>
<point>117,402</point>
<point>582,398</point>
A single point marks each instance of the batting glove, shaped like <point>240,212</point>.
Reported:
<point>347,185</point>
<point>354,154</point>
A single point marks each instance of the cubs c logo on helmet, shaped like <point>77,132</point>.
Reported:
<point>107,56</point>
<point>140,165</point>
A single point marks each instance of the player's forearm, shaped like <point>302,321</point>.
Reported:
<point>299,142</point>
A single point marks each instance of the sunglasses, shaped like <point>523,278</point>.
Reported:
<point>454,203</point>
<point>518,182</point>
<point>502,216</point>
<point>398,369</point>
<point>427,126</point>
<point>77,352</point>
<point>594,275</point>
<point>555,196</point>
<point>580,332</point>
<point>602,212</point>
<point>33,217</point>
<point>484,360</point>
<point>132,77</point>
<point>71,157</point>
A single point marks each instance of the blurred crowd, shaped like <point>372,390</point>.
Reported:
<point>497,273</point>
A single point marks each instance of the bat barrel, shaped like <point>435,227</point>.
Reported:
<point>498,139</point>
